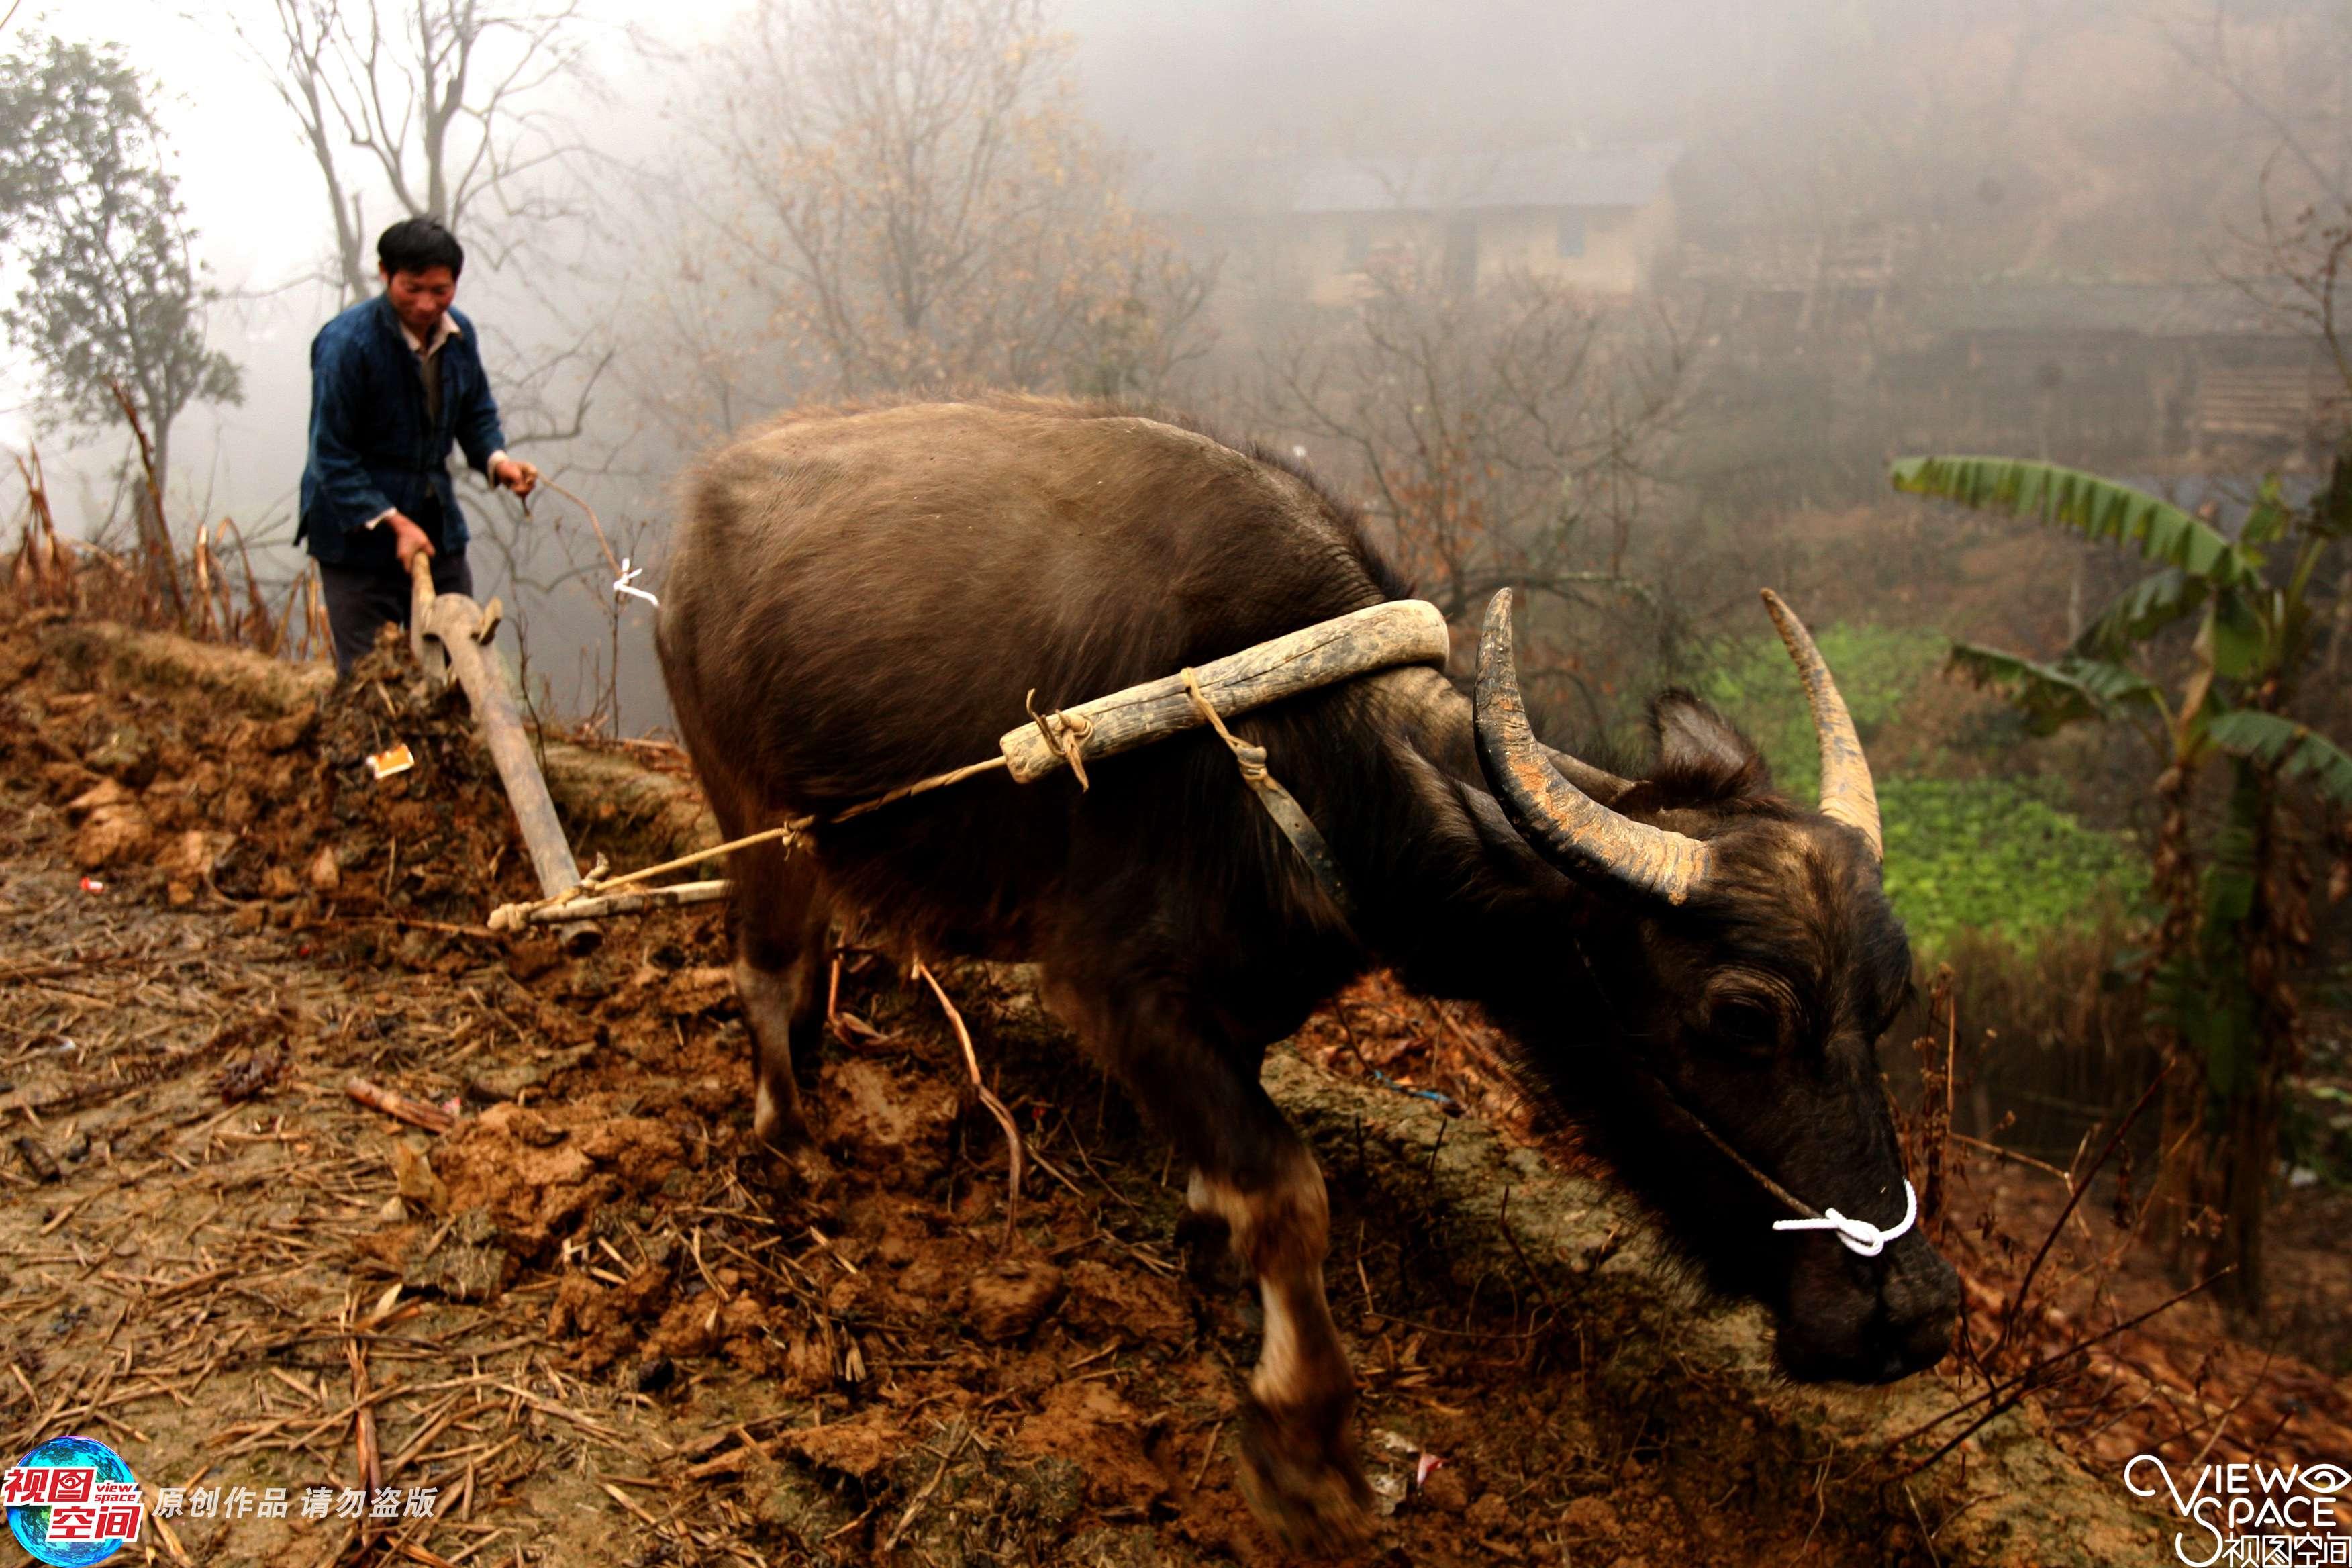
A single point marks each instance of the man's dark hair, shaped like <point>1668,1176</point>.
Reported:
<point>418,243</point>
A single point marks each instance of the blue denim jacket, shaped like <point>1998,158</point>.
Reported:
<point>371,447</point>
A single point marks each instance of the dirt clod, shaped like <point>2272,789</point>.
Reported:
<point>97,796</point>
<point>1086,1423</point>
<point>1489,1515</point>
<point>1445,1490</point>
<point>1589,1518</point>
<point>856,1449</point>
<point>868,1122</point>
<point>111,834</point>
<point>1006,1299</point>
<point>1137,1307</point>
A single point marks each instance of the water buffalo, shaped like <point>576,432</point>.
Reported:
<point>1694,969</point>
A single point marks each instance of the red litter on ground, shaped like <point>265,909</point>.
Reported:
<point>92,885</point>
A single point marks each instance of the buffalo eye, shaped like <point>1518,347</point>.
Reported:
<point>1747,1025</point>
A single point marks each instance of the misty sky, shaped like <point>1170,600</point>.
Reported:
<point>1175,78</point>
<point>1169,75</point>
<point>253,195</point>
<point>1172,77</point>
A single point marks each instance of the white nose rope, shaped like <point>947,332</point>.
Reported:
<point>623,583</point>
<point>1859,1235</point>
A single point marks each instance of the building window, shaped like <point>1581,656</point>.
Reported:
<point>1360,245</point>
<point>1571,242</point>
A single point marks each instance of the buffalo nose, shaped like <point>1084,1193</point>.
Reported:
<point>1922,1296</point>
<point>1925,1342</point>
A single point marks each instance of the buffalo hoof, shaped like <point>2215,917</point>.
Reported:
<point>1299,1474</point>
<point>1207,1245</point>
<point>778,1121</point>
<point>800,1169</point>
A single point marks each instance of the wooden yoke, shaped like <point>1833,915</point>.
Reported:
<point>1382,636</point>
<point>1401,631</point>
<point>449,634</point>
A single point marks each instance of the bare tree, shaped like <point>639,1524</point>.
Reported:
<point>437,104</point>
<point>448,109</point>
<point>2288,80</point>
<point>2289,75</point>
<point>2288,71</point>
<point>912,199</point>
<point>1506,437</point>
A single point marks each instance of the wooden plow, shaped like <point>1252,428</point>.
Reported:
<point>450,635</point>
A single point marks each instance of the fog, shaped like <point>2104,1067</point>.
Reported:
<point>2070,146</point>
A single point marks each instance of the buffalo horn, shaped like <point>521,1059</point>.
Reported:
<point>1568,826</point>
<point>1847,793</point>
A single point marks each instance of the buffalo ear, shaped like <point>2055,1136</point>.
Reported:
<point>1499,845</point>
<point>1701,754</point>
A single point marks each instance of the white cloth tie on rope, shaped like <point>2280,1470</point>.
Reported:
<point>1858,1236</point>
<point>629,574</point>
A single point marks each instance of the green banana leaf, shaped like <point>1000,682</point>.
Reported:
<point>2238,639</point>
<point>2295,750</point>
<point>2141,611</point>
<point>2091,506</point>
<point>2052,696</point>
<point>2270,519</point>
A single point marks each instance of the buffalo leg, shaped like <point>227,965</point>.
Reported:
<point>1298,1460</point>
<point>779,916</point>
<point>1254,1176</point>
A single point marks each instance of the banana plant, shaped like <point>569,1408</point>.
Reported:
<point>2233,925</point>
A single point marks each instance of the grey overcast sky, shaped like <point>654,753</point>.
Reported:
<point>1168,74</point>
<point>1171,77</point>
<point>253,195</point>
<point>1175,79</point>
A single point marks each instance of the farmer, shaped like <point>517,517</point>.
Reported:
<point>393,381</point>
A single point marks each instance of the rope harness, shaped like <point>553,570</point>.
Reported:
<point>596,884</point>
<point>1858,1237</point>
<point>1280,804</point>
<point>1065,733</point>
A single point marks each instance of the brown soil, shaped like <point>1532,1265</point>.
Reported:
<point>587,1316</point>
<point>2195,1383</point>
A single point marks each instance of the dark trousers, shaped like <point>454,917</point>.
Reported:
<point>362,600</point>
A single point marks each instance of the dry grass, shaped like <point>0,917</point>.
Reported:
<point>202,591</point>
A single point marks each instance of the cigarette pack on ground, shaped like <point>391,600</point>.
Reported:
<point>396,759</point>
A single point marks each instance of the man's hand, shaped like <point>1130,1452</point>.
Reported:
<point>408,540</point>
<point>515,475</point>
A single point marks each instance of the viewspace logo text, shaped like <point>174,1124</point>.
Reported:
<point>2252,1513</point>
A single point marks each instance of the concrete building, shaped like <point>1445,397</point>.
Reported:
<point>1315,230</point>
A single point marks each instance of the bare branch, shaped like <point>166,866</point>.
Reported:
<point>910,199</point>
